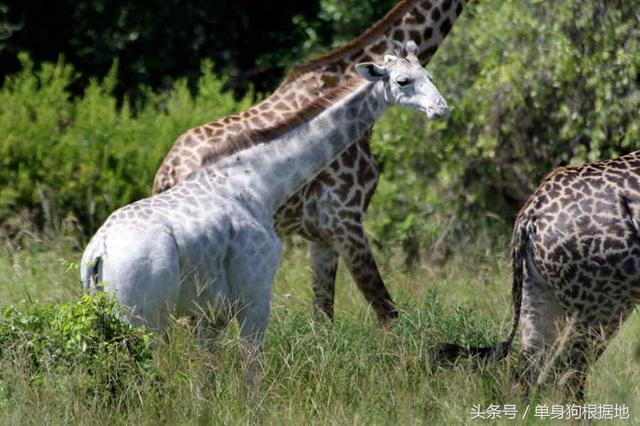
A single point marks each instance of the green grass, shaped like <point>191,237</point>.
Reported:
<point>347,372</point>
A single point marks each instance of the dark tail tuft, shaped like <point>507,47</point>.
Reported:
<point>450,353</point>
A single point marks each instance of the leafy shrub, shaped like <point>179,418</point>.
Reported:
<point>69,162</point>
<point>85,335</point>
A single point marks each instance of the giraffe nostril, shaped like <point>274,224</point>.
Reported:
<point>439,111</point>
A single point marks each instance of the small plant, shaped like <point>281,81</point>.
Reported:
<point>87,335</point>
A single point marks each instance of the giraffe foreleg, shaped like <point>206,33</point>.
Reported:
<point>253,263</point>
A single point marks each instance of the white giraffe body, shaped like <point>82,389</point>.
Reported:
<point>210,241</point>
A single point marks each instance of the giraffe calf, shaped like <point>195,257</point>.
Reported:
<point>576,270</point>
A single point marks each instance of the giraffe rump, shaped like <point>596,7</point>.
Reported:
<point>576,270</point>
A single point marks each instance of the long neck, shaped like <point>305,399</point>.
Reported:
<point>426,22</point>
<point>274,170</point>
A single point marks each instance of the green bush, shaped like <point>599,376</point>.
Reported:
<point>85,335</point>
<point>69,162</point>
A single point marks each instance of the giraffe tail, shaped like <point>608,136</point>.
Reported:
<point>91,269</point>
<point>521,255</point>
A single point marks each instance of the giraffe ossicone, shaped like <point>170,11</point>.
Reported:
<point>210,241</point>
<point>408,50</point>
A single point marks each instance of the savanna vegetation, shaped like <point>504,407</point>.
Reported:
<point>532,85</point>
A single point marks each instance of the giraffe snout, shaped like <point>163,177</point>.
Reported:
<point>439,109</point>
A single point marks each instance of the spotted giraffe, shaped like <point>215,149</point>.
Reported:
<point>576,267</point>
<point>329,210</point>
<point>210,241</point>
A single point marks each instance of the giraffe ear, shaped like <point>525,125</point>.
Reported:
<point>370,71</point>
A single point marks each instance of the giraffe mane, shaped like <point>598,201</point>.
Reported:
<point>254,137</point>
<point>371,33</point>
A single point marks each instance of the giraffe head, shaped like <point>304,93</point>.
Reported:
<point>406,82</point>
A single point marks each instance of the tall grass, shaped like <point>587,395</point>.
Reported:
<point>347,372</point>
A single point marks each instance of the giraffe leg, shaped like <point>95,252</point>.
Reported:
<point>359,259</point>
<point>586,347</point>
<point>251,280</point>
<point>210,331</point>
<point>324,264</point>
<point>581,352</point>
<point>540,318</point>
<point>211,310</point>
<point>330,213</point>
<point>253,319</point>
<point>211,327</point>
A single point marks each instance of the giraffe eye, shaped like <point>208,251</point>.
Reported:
<point>403,81</point>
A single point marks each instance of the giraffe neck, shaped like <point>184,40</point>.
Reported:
<point>274,170</point>
<point>426,22</point>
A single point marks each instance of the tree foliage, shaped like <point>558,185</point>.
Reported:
<point>157,41</point>
<point>533,85</point>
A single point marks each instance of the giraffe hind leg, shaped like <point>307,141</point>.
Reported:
<point>540,318</point>
<point>214,314</point>
<point>324,264</point>
<point>589,343</point>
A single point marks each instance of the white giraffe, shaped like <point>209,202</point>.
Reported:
<point>210,241</point>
